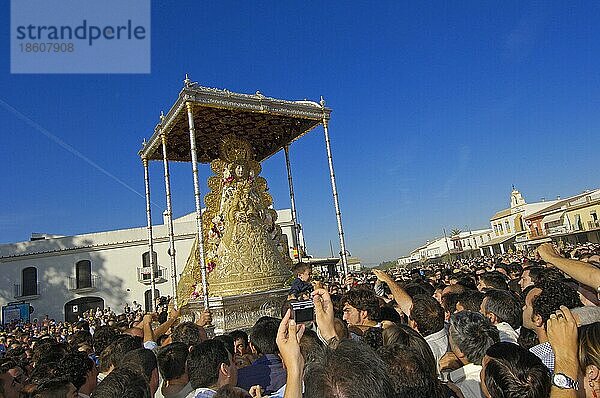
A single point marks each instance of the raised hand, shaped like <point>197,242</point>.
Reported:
<point>288,342</point>
<point>324,313</point>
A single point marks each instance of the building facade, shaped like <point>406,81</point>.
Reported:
<point>572,220</point>
<point>509,224</point>
<point>469,244</point>
<point>522,226</point>
<point>63,276</point>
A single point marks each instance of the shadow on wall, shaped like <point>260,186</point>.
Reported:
<point>59,279</point>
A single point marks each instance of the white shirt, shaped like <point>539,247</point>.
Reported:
<point>438,342</point>
<point>507,333</point>
<point>183,393</point>
<point>467,379</point>
<point>202,393</point>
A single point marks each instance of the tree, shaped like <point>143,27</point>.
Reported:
<point>455,231</point>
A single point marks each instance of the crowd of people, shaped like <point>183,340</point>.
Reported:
<point>497,327</point>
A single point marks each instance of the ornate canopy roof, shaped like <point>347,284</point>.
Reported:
<point>267,123</point>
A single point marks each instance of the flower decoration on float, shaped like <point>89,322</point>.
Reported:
<point>195,293</point>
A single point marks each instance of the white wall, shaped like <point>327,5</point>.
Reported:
<point>115,257</point>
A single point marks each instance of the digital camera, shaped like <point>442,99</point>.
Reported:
<point>303,311</point>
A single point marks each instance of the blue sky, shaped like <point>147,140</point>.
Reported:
<point>438,108</point>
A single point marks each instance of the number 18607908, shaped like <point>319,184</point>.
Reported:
<point>47,47</point>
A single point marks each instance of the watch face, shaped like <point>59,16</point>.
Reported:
<point>560,380</point>
<point>563,381</point>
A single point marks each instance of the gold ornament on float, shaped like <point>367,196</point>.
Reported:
<point>245,251</point>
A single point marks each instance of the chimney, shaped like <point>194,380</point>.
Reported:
<point>165,217</point>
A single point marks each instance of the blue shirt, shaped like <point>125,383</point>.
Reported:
<point>299,286</point>
<point>267,371</point>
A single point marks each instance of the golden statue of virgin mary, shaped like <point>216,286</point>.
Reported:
<point>245,250</point>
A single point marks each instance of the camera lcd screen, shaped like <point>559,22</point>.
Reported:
<point>304,314</point>
<point>303,311</point>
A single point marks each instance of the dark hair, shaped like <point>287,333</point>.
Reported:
<point>494,280</point>
<point>53,388</point>
<point>527,338</point>
<point>239,335</point>
<point>373,337</point>
<point>188,333</point>
<point>171,360</point>
<point>471,300</point>
<point>123,383</point>
<point>549,275</point>
<point>514,268</point>
<point>6,364</point>
<point>75,367</point>
<point>467,282</point>
<point>554,295</point>
<point>589,345</point>
<point>140,359</point>
<point>389,313</point>
<point>263,335</point>
<point>534,273</point>
<point>103,336</point>
<point>228,342</point>
<point>114,353</point>
<point>310,345</point>
<point>404,335</point>
<point>449,301</point>
<point>204,362</point>
<point>414,288</point>
<point>48,350</point>
<point>351,369</point>
<point>83,325</point>
<point>363,300</point>
<point>513,371</point>
<point>300,268</point>
<point>428,314</point>
<point>506,306</point>
<point>43,372</point>
<point>409,373</point>
<point>473,334</point>
<point>79,338</point>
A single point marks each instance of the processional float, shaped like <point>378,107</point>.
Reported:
<point>240,262</point>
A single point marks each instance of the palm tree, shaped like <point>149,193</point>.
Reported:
<point>455,232</point>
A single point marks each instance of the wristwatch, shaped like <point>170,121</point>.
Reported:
<point>563,381</point>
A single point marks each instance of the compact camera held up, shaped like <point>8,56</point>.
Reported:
<point>303,311</point>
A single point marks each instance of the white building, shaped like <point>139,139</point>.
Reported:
<point>64,276</point>
<point>469,244</point>
<point>508,224</point>
<point>354,264</point>
<point>472,240</point>
<point>406,260</point>
<point>429,251</point>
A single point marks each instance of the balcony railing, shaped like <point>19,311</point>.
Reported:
<point>561,229</point>
<point>84,283</point>
<point>593,224</point>
<point>145,274</point>
<point>31,291</point>
<point>524,237</point>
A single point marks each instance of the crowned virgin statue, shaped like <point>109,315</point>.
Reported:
<point>245,250</point>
